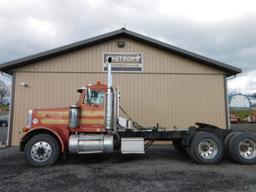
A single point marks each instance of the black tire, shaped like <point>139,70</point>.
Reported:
<point>178,145</point>
<point>226,143</point>
<point>42,143</point>
<point>209,142</point>
<point>189,152</point>
<point>236,148</point>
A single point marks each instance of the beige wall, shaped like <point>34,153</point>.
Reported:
<point>90,60</point>
<point>172,90</point>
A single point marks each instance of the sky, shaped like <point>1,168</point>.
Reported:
<point>224,30</point>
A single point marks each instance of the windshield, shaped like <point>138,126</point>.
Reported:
<point>96,97</point>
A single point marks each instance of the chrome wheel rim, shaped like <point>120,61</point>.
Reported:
<point>41,151</point>
<point>247,149</point>
<point>207,149</point>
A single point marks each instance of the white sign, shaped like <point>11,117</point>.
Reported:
<point>124,62</point>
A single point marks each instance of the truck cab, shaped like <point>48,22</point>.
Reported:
<point>88,114</point>
<point>89,126</point>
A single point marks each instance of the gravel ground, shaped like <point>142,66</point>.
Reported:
<point>245,127</point>
<point>160,169</point>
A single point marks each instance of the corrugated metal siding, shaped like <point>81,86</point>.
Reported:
<point>90,60</point>
<point>172,90</point>
<point>171,100</point>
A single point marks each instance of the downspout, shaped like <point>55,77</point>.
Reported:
<point>226,99</point>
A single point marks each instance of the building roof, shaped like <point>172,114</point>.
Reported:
<point>9,66</point>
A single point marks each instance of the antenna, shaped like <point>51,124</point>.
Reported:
<point>125,25</point>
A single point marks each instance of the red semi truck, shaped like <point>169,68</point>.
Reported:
<point>93,125</point>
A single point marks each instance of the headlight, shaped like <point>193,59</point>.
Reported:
<point>29,120</point>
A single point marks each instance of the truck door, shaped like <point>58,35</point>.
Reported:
<point>92,112</point>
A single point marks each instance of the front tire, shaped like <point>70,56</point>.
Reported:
<point>42,150</point>
<point>206,148</point>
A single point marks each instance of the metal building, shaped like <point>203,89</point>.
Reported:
<point>239,101</point>
<point>158,82</point>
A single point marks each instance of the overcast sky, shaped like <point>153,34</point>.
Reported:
<point>221,29</point>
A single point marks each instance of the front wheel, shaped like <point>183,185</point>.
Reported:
<point>42,150</point>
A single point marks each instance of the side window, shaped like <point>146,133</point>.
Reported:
<point>96,98</point>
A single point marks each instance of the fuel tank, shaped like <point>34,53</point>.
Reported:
<point>91,143</point>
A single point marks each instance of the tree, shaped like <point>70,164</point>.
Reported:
<point>4,89</point>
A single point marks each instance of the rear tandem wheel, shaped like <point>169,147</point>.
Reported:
<point>226,143</point>
<point>242,148</point>
<point>205,148</point>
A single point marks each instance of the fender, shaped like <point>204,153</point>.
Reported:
<point>46,130</point>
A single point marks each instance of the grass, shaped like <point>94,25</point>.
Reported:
<point>242,113</point>
<point>4,107</point>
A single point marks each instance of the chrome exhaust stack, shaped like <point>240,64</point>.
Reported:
<point>109,99</point>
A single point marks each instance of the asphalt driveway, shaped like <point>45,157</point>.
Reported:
<point>160,169</point>
<point>3,135</point>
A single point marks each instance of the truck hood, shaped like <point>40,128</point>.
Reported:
<point>50,117</point>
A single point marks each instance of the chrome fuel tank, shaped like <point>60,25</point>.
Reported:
<point>91,143</point>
